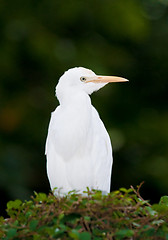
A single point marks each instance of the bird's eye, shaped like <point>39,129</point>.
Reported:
<point>83,79</point>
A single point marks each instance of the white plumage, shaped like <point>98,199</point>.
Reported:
<point>78,147</point>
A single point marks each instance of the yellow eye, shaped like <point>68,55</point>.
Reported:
<point>83,79</point>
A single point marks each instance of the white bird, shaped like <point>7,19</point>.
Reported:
<point>78,147</point>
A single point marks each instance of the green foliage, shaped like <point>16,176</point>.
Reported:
<point>122,214</point>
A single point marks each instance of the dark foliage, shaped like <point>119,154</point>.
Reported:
<point>122,214</point>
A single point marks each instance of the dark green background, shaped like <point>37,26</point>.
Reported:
<point>39,40</point>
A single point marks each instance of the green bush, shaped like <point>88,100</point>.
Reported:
<point>122,214</point>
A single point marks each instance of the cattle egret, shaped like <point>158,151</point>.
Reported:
<point>78,147</point>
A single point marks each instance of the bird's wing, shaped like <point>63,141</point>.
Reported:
<point>68,165</point>
<point>101,154</point>
<point>56,169</point>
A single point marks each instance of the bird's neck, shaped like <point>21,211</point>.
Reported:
<point>73,98</point>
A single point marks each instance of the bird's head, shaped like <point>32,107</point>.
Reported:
<point>81,79</point>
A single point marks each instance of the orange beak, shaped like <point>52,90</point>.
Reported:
<point>106,79</point>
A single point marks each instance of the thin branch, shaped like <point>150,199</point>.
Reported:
<point>138,193</point>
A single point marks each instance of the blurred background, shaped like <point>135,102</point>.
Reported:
<point>42,39</point>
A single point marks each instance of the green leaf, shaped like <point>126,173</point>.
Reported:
<point>40,197</point>
<point>85,236</point>
<point>14,204</point>
<point>149,232</point>
<point>36,237</point>
<point>115,192</point>
<point>86,218</point>
<point>63,227</point>
<point>1,220</point>
<point>74,234</point>
<point>124,233</point>
<point>11,233</point>
<point>158,222</point>
<point>16,223</point>
<point>151,211</point>
<point>160,208</point>
<point>61,216</point>
<point>97,195</point>
<point>136,224</point>
<point>33,224</point>
<point>28,214</point>
<point>123,190</point>
<point>164,200</point>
